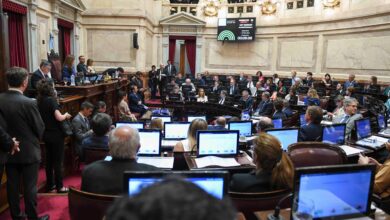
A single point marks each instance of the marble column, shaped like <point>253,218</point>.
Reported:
<point>76,35</point>
<point>199,55</point>
<point>165,46</point>
<point>55,15</point>
<point>33,62</point>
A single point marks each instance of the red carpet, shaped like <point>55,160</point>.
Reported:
<point>54,205</point>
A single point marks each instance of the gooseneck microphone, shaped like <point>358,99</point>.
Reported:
<point>276,214</point>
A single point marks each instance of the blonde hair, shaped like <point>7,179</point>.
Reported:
<point>199,94</point>
<point>312,93</point>
<point>196,125</point>
<point>269,157</point>
<point>156,123</point>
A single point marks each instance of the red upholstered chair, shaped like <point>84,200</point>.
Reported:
<point>248,203</point>
<point>84,205</point>
<point>94,154</point>
<point>305,154</point>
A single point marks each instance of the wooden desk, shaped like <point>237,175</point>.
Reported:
<point>246,164</point>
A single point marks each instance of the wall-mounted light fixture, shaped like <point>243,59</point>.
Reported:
<point>331,3</point>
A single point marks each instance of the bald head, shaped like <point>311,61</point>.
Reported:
<point>264,124</point>
<point>221,121</point>
<point>124,143</point>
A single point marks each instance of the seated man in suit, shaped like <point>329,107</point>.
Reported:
<point>350,115</point>
<point>265,107</point>
<point>101,124</point>
<point>42,72</point>
<point>263,124</point>
<point>278,106</point>
<point>105,177</point>
<point>350,82</point>
<point>246,101</point>
<point>220,124</point>
<point>82,67</point>
<point>312,130</point>
<point>233,88</point>
<point>199,80</point>
<point>135,101</point>
<point>222,97</point>
<point>286,108</point>
<point>81,127</point>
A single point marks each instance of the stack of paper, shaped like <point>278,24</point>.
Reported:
<point>160,162</point>
<point>373,141</point>
<point>216,161</point>
<point>350,150</point>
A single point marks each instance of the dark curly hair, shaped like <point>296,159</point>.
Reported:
<point>45,87</point>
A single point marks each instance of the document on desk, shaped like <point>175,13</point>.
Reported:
<point>160,162</point>
<point>350,150</point>
<point>373,141</point>
<point>216,161</point>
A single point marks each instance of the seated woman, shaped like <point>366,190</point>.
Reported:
<point>281,89</point>
<point>274,169</point>
<point>327,81</point>
<point>135,101</point>
<point>339,110</point>
<point>124,111</point>
<point>157,124</point>
<point>190,144</point>
<point>382,176</point>
<point>201,97</point>
<point>312,98</point>
<point>90,68</point>
<point>68,68</point>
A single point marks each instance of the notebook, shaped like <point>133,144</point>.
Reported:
<point>333,192</point>
<point>334,134</point>
<point>176,130</point>
<point>286,136</point>
<point>150,141</point>
<point>135,125</point>
<point>244,127</point>
<point>217,143</point>
<point>213,182</point>
<point>364,135</point>
<point>382,126</point>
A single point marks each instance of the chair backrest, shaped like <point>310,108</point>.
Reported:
<point>94,154</point>
<point>248,203</point>
<point>115,113</point>
<point>305,154</point>
<point>84,205</point>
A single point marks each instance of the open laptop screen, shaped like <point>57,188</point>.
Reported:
<point>214,183</point>
<point>382,122</point>
<point>135,125</point>
<point>245,127</point>
<point>176,130</point>
<point>218,143</point>
<point>363,128</point>
<point>302,120</point>
<point>191,118</point>
<point>285,136</point>
<point>334,134</point>
<point>278,123</point>
<point>334,192</point>
<point>150,141</point>
<point>163,118</point>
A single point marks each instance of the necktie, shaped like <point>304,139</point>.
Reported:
<point>86,123</point>
<point>345,119</point>
<point>169,69</point>
<point>231,90</point>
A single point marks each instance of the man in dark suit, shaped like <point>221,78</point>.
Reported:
<point>220,124</point>
<point>222,97</point>
<point>265,108</point>
<point>170,70</point>
<point>287,109</point>
<point>233,88</point>
<point>101,124</point>
<point>7,145</point>
<point>42,72</point>
<point>135,101</point>
<point>278,106</point>
<point>153,80</point>
<point>81,126</point>
<point>105,177</point>
<point>162,80</point>
<point>312,131</point>
<point>82,67</point>
<point>23,122</point>
<point>246,101</point>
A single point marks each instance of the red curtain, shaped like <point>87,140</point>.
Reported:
<point>66,37</point>
<point>191,54</point>
<point>16,40</point>
<point>172,48</point>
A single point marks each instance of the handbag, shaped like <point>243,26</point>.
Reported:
<point>66,127</point>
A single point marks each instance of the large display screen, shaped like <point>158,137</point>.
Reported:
<point>236,29</point>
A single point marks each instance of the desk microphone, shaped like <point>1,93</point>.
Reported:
<point>275,215</point>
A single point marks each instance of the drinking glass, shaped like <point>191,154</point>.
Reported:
<point>303,209</point>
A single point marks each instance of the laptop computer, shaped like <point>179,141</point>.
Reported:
<point>217,143</point>
<point>244,127</point>
<point>176,130</point>
<point>334,134</point>
<point>190,118</point>
<point>135,125</point>
<point>215,183</point>
<point>286,136</point>
<point>302,120</point>
<point>364,134</point>
<point>278,123</point>
<point>150,141</point>
<point>333,192</point>
<point>163,118</point>
<point>382,126</point>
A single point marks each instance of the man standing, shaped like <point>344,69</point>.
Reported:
<point>81,127</point>
<point>7,144</point>
<point>153,81</point>
<point>171,70</point>
<point>42,72</point>
<point>162,80</point>
<point>81,67</point>
<point>24,122</point>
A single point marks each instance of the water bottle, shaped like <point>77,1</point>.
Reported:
<point>72,80</point>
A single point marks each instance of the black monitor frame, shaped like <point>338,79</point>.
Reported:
<point>175,122</point>
<point>283,129</point>
<point>333,125</point>
<point>356,128</point>
<point>160,147</point>
<point>241,122</point>
<point>217,132</point>
<point>126,122</point>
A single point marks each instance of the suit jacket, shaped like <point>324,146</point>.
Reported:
<point>36,76</point>
<point>94,141</point>
<point>288,112</point>
<point>310,132</point>
<point>152,77</point>
<point>106,177</point>
<point>265,108</point>
<point>222,102</point>
<point>137,82</point>
<point>82,68</point>
<point>6,144</point>
<point>216,128</point>
<point>235,91</point>
<point>350,123</point>
<point>251,182</point>
<point>24,122</point>
<point>173,70</point>
<point>279,114</point>
<point>248,104</point>
<point>81,130</point>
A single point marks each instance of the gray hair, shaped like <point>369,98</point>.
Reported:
<point>348,101</point>
<point>44,63</point>
<point>124,145</point>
